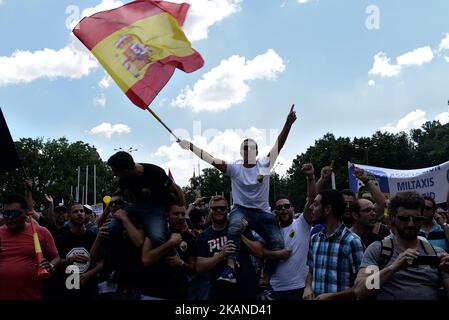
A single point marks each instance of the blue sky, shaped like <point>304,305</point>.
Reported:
<point>261,56</point>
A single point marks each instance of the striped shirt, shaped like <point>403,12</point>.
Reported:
<point>436,237</point>
<point>335,260</point>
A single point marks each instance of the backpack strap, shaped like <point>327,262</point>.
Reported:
<point>386,252</point>
<point>428,248</point>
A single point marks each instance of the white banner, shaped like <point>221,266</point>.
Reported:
<point>433,181</point>
<point>97,209</point>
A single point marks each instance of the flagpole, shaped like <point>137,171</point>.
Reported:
<point>87,184</point>
<point>161,122</point>
<point>95,184</point>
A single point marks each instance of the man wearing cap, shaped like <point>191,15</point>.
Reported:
<point>56,221</point>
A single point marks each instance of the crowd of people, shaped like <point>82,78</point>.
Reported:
<point>149,245</point>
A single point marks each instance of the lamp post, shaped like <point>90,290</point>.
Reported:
<point>129,150</point>
<point>365,150</point>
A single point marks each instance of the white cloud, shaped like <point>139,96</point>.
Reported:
<point>416,57</point>
<point>371,83</point>
<point>100,100</point>
<point>205,13</point>
<point>447,59</point>
<point>105,82</point>
<point>382,66</point>
<point>444,44</point>
<point>224,145</point>
<point>26,66</point>
<point>227,84</point>
<point>412,120</point>
<point>73,61</point>
<point>443,117</point>
<point>103,6</point>
<point>107,130</point>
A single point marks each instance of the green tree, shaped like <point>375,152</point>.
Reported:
<point>52,166</point>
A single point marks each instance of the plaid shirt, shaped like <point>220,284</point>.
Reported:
<point>335,260</point>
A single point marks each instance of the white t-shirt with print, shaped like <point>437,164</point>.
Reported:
<point>247,191</point>
<point>291,274</point>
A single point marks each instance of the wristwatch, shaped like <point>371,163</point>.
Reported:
<point>52,267</point>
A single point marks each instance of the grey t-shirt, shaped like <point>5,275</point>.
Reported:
<point>412,283</point>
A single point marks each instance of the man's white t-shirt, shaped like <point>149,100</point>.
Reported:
<point>291,274</point>
<point>247,191</point>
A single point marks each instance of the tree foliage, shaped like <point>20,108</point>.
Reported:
<point>52,166</point>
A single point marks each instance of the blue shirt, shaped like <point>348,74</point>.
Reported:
<point>335,260</point>
<point>436,236</point>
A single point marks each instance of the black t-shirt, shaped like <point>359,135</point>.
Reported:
<point>150,186</point>
<point>127,259</point>
<point>370,238</point>
<point>163,281</point>
<point>210,243</point>
<point>70,244</point>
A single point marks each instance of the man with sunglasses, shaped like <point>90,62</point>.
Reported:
<point>18,265</point>
<point>393,271</point>
<point>365,218</point>
<point>288,281</point>
<point>431,230</point>
<point>250,181</point>
<point>213,250</point>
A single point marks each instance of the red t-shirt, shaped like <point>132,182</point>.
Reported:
<point>18,264</point>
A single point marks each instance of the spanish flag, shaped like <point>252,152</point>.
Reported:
<point>140,44</point>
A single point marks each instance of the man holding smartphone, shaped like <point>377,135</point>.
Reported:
<point>404,266</point>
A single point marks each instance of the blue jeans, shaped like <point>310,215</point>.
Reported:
<point>264,223</point>
<point>153,217</point>
<point>295,294</point>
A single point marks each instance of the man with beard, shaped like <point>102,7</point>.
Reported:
<point>364,215</point>
<point>167,277</point>
<point>335,252</point>
<point>74,247</point>
<point>397,272</point>
<point>288,282</point>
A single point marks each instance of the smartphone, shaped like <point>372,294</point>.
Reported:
<point>427,260</point>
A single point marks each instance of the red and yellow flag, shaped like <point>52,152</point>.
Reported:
<point>140,44</point>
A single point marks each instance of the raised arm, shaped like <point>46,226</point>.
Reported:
<point>276,149</point>
<point>378,197</point>
<point>309,172</point>
<point>203,155</point>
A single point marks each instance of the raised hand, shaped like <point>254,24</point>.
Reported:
<point>308,169</point>
<point>185,144</point>
<point>291,116</point>
<point>326,171</point>
<point>49,198</point>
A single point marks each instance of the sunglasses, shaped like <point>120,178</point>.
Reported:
<point>284,206</point>
<point>412,218</point>
<point>246,148</point>
<point>11,213</point>
<point>216,208</point>
<point>78,210</point>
